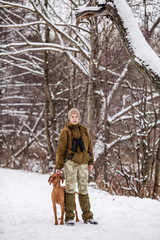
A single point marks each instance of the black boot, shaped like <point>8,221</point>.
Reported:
<point>91,221</point>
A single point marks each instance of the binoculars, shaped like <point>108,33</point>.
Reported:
<point>78,142</point>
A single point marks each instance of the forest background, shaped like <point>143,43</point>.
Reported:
<point>50,64</point>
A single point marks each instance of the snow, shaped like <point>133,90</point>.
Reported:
<point>143,51</point>
<point>101,1</point>
<point>83,8</point>
<point>26,212</point>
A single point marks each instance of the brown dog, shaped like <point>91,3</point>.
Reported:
<point>58,196</point>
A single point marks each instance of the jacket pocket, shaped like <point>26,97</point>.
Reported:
<point>69,157</point>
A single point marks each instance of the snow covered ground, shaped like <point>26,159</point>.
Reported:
<point>26,213</point>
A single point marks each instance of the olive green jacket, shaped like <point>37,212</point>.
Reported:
<point>64,149</point>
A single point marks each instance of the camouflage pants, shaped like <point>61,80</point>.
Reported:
<point>76,173</point>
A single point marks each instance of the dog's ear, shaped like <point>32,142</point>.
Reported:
<point>51,178</point>
<point>61,178</point>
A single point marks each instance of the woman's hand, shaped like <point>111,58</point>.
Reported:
<point>90,167</point>
<point>58,171</point>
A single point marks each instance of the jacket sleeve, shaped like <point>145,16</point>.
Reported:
<point>61,149</point>
<point>90,150</point>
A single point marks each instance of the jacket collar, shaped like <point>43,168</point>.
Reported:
<point>72,126</point>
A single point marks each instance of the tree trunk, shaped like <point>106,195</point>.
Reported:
<point>71,88</point>
<point>49,100</point>
<point>1,141</point>
<point>90,82</point>
<point>157,174</point>
<point>46,125</point>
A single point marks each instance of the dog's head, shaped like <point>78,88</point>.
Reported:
<point>55,178</point>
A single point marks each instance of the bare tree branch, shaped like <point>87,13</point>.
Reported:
<point>154,26</point>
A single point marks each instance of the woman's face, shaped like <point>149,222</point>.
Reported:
<point>74,119</point>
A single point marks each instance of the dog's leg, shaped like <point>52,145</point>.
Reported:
<point>77,219</point>
<point>62,213</point>
<point>55,213</point>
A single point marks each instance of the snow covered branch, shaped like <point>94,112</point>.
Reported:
<point>27,144</point>
<point>21,25</point>
<point>58,30</point>
<point>35,27</point>
<point>117,116</point>
<point>141,54</point>
<point>14,5</point>
<point>40,47</point>
<point>117,84</point>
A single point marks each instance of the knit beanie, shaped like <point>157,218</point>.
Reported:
<point>73,111</point>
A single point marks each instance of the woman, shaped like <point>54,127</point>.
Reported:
<point>75,154</point>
